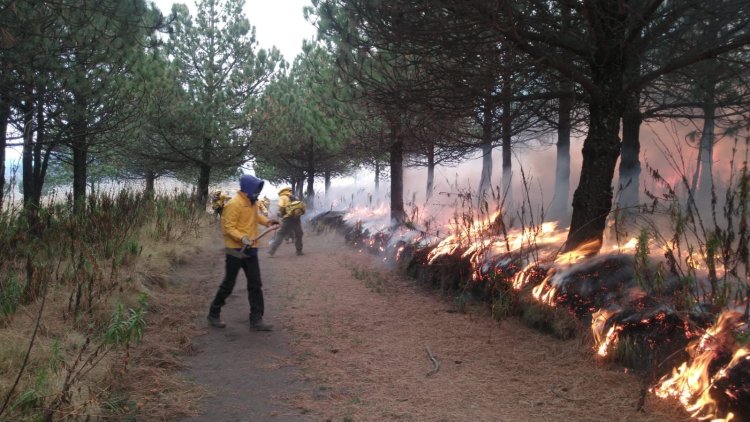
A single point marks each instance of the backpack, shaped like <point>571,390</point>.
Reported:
<point>295,207</point>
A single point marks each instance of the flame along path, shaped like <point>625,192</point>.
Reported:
<point>358,334</point>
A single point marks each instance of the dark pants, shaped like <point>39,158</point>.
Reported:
<point>290,227</point>
<point>254,286</point>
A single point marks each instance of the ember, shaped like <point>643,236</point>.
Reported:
<point>631,324</point>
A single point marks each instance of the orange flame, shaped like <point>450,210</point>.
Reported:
<point>692,381</point>
<point>602,342</point>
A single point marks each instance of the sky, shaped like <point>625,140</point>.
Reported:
<point>277,23</point>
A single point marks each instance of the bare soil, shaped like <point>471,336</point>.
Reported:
<point>352,343</point>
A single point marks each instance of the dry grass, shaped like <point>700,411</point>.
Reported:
<point>152,380</point>
<point>365,349</point>
<point>124,383</point>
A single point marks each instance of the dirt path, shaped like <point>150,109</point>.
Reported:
<point>248,375</point>
<point>352,346</point>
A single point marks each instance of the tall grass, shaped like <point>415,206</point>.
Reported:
<point>70,304</point>
<point>705,235</point>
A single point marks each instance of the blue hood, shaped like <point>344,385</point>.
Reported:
<point>251,186</point>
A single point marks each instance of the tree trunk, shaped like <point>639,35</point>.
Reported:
<point>377,175</point>
<point>430,171</point>
<point>485,181</point>
<point>704,170</point>
<point>560,205</point>
<point>150,182</point>
<point>299,185</point>
<point>40,167</point>
<point>398,216</point>
<point>79,143</point>
<point>327,179</point>
<point>4,118</point>
<point>702,183</point>
<point>592,200</point>
<point>27,155</point>
<point>310,194</point>
<point>204,179</point>
<point>204,176</point>
<point>630,161</point>
<point>506,128</point>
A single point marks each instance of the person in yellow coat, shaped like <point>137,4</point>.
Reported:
<point>218,200</point>
<point>290,211</point>
<point>263,205</point>
<point>239,222</point>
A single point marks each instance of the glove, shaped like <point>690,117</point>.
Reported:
<point>246,241</point>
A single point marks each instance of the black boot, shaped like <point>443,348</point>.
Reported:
<point>259,325</point>
<point>214,318</point>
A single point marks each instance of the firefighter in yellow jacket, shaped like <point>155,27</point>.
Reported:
<point>291,225</point>
<point>239,220</point>
<point>263,205</point>
<point>218,200</point>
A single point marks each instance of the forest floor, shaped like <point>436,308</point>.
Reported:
<point>351,344</point>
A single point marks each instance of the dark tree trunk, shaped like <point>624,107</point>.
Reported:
<point>310,194</point>
<point>704,170</point>
<point>506,128</point>
<point>592,200</point>
<point>560,206</point>
<point>702,183</point>
<point>204,179</point>
<point>79,144</point>
<point>630,161</point>
<point>377,175</point>
<point>40,167</point>
<point>27,155</point>
<point>299,185</point>
<point>485,181</point>
<point>327,179</point>
<point>396,150</point>
<point>4,118</point>
<point>204,176</point>
<point>150,182</point>
<point>430,171</point>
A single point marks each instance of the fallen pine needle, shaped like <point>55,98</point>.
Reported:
<point>435,362</point>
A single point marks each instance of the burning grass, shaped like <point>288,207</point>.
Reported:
<point>645,313</point>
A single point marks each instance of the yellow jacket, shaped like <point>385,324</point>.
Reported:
<point>285,195</point>
<point>218,201</point>
<point>241,218</point>
<point>263,205</point>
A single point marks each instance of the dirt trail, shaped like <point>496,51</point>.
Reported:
<point>351,345</point>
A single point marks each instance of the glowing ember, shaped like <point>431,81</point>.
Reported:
<point>693,381</point>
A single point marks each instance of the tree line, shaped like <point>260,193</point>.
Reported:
<point>498,73</point>
<point>113,89</point>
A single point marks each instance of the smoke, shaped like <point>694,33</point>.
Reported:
<point>665,147</point>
